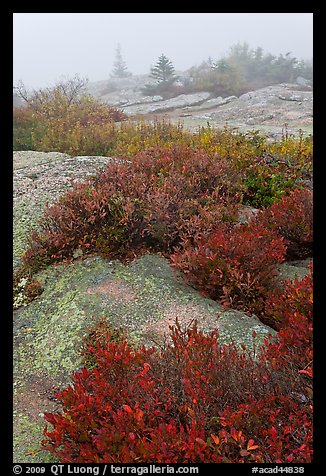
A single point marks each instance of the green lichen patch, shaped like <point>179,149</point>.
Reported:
<point>238,327</point>
<point>26,441</point>
<point>57,320</point>
<point>134,297</point>
<point>24,222</point>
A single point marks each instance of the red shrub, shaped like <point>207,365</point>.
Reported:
<point>193,401</point>
<point>292,218</point>
<point>282,427</point>
<point>235,264</point>
<point>162,197</point>
<point>281,304</point>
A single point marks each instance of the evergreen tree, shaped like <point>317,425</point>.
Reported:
<point>119,66</point>
<point>163,71</point>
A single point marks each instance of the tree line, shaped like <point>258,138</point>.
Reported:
<point>241,70</point>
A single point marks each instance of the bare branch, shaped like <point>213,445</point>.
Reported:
<point>69,88</point>
<point>22,91</point>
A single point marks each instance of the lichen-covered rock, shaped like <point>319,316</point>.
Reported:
<point>268,108</point>
<point>144,297</point>
<point>40,178</point>
<point>181,101</point>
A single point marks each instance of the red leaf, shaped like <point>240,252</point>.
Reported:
<point>308,371</point>
<point>215,439</point>
<point>127,408</point>
<point>251,446</point>
<point>200,441</point>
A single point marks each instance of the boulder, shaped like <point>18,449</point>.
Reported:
<point>119,92</point>
<point>246,212</point>
<point>181,101</point>
<point>267,109</point>
<point>127,94</point>
<point>294,269</point>
<point>211,103</point>
<point>39,178</point>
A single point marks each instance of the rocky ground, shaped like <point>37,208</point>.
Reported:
<point>144,297</point>
<point>271,110</point>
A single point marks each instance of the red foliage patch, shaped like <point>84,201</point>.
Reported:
<point>236,265</point>
<point>292,218</point>
<point>193,401</point>
<point>163,196</point>
<point>281,305</point>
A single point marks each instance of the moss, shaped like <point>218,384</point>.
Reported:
<point>24,221</point>
<point>27,437</point>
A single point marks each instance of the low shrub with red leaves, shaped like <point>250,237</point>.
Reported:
<point>192,401</point>
<point>292,218</point>
<point>163,196</point>
<point>237,265</point>
<point>296,297</point>
<point>234,264</point>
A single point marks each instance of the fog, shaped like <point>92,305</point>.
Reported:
<point>50,46</point>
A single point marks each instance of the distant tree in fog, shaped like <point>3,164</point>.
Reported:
<point>119,66</point>
<point>164,74</point>
<point>163,71</point>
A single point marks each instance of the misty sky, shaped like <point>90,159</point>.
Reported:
<point>50,46</point>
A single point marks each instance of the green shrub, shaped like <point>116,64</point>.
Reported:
<point>26,127</point>
<point>264,189</point>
